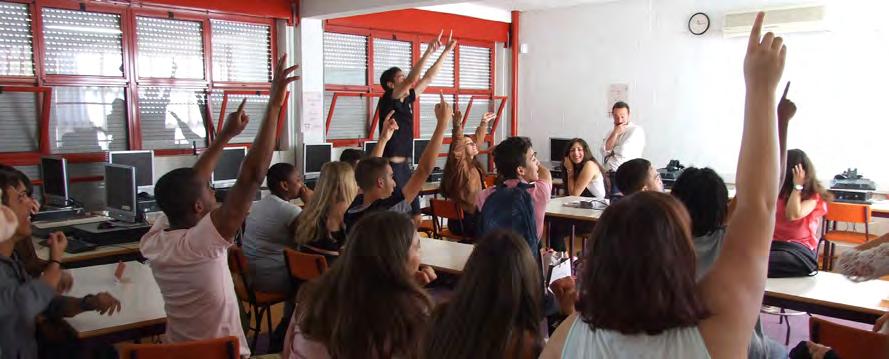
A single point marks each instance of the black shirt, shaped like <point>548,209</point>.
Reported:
<point>358,209</point>
<point>402,142</point>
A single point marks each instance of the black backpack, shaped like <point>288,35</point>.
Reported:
<point>511,208</point>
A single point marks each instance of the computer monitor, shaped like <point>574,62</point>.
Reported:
<point>557,148</point>
<point>369,146</point>
<point>142,160</point>
<point>229,166</point>
<point>419,147</point>
<point>120,192</point>
<point>315,156</point>
<point>54,172</point>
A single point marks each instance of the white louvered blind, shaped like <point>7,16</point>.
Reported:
<point>16,46</point>
<point>87,119</point>
<point>169,48</point>
<point>349,117</point>
<point>18,122</point>
<point>475,67</point>
<point>82,43</point>
<point>427,114</point>
<point>345,59</point>
<point>255,109</point>
<point>474,115</point>
<point>172,117</point>
<point>391,53</point>
<point>241,52</point>
<point>445,77</point>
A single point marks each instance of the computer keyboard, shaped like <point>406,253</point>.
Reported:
<point>74,245</point>
<point>84,219</point>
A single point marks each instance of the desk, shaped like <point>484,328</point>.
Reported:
<point>830,294</point>
<point>556,211</point>
<point>880,209</point>
<point>99,255</point>
<point>444,256</point>
<point>430,188</point>
<point>142,305</point>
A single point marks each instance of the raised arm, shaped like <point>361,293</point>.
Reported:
<point>404,88</point>
<point>234,124</point>
<point>733,289</point>
<point>444,113</point>
<point>457,151</point>
<point>481,132</point>
<point>786,111</point>
<point>229,217</point>
<point>430,74</point>
<point>389,128</point>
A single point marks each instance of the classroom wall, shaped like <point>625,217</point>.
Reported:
<point>688,91</point>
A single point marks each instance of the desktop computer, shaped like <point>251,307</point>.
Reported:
<point>314,157</point>
<point>127,224</point>
<point>56,201</point>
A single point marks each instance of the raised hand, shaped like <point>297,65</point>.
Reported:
<point>236,122</point>
<point>764,62</point>
<point>435,44</point>
<point>799,175</point>
<point>280,80</point>
<point>458,117</point>
<point>443,111</point>
<point>786,108</point>
<point>487,118</point>
<point>389,125</point>
<point>452,43</point>
<point>57,243</point>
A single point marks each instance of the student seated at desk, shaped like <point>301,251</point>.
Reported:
<point>376,179</point>
<point>496,309</point>
<point>22,297</point>
<point>583,175</point>
<point>320,228</point>
<point>464,175</point>
<point>637,175</point>
<point>802,204</point>
<point>188,245</point>
<point>370,303</point>
<point>352,156</point>
<point>683,318</point>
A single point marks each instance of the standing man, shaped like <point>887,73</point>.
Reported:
<point>401,93</point>
<point>625,142</point>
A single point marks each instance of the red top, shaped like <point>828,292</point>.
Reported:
<point>805,230</point>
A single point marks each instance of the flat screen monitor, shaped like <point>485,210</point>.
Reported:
<point>557,149</point>
<point>120,192</point>
<point>315,156</point>
<point>419,147</point>
<point>54,172</point>
<point>369,146</point>
<point>142,160</point>
<point>229,166</point>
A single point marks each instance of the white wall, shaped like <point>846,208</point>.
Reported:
<point>688,91</point>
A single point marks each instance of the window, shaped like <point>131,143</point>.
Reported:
<point>241,52</point>
<point>169,48</point>
<point>445,77</point>
<point>475,67</point>
<point>254,108</point>
<point>391,53</point>
<point>350,117</point>
<point>16,47</point>
<point>87,120</point>
<point>172,117</point>
<point>345,59</point>
<point>82,43</point>
<point>19,117</point>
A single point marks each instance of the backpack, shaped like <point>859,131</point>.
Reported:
<point>511,208</point>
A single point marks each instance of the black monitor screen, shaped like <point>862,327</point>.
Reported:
<point>120,189</point>
<point>369,147</point>
<point>142,160</point>
<point>54,177</point>
<point>557,148</point>
<point>229,164</point>
<point>316,156</point>
<point>419,147</point>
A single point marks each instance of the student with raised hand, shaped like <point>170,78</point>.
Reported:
<point>464,175</point>
<point>583,175</point>
<point>400,93</point>
<point>713,317</point>
<point>376,178</point>
<point>370,303</point>
<point>321,229</point>
<point>637,175</point>
<point>496,309</point>
<point>187,247</point>
<point>23,297</point>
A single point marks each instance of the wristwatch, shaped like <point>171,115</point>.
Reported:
<point>798,187</point>
<point>87,303</point>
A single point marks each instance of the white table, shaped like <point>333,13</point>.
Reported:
<point>142,305</point>
<point>830,294</point>
<point>445,256</point>
<point>100,254</point>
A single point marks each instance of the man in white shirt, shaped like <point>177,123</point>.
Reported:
<point>625,141</point>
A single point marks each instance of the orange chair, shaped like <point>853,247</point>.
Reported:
<point>849,342</point>
<point>226,347</point>
<point>446,209</point>
<point>260,302</point>
<point>490,180</point>
<point>304,267</point>
<point>848,213</point>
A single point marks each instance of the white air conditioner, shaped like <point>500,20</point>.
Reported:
<point>779,21</point>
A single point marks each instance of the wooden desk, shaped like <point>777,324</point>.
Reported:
<point>880,209</point>
<point>142,305</point>
<point>99,255</point>
<point>556,209</point>
<point>430,188</point>
<point>444,256</point>
<point>830,294</point>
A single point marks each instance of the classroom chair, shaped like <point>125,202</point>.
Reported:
<point>783,317</point>
<point>304,267</point>
<point>491,180</point>
<point>226,347</point>
<point>443,209</point>
<point>848,342</point>
<point>846,213</point>
<point>260,302</point>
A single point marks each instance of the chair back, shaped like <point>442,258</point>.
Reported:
<point>227,347</point>
<point>848,342</point>
<point>848,212</point>
<point>237,265</point>
<point>304,267</point>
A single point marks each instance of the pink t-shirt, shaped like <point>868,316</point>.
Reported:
<point>804,231</point>
<point>539,196</point>
<point>191,268</point>
<point>296,346</point>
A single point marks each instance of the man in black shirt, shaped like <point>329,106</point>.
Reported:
<point>401,93</point>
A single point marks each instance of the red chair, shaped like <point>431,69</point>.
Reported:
<point>446,209</point>
<point>849,342</point>
<point>260,302</point>
<point>847,213</point>
<point>227,347</point>
<point>304,267</point>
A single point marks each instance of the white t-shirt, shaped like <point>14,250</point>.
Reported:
<point>267,233</point>
<point>630,145</point>
<point>191,268</point>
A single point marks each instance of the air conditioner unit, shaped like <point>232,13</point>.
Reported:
<point>780,21</point>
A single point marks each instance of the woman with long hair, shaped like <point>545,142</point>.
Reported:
<point>464,174</point>
<point>369,304</point>
<point>582,175</point>
<point>320,226</point>
<point>496,309</point>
